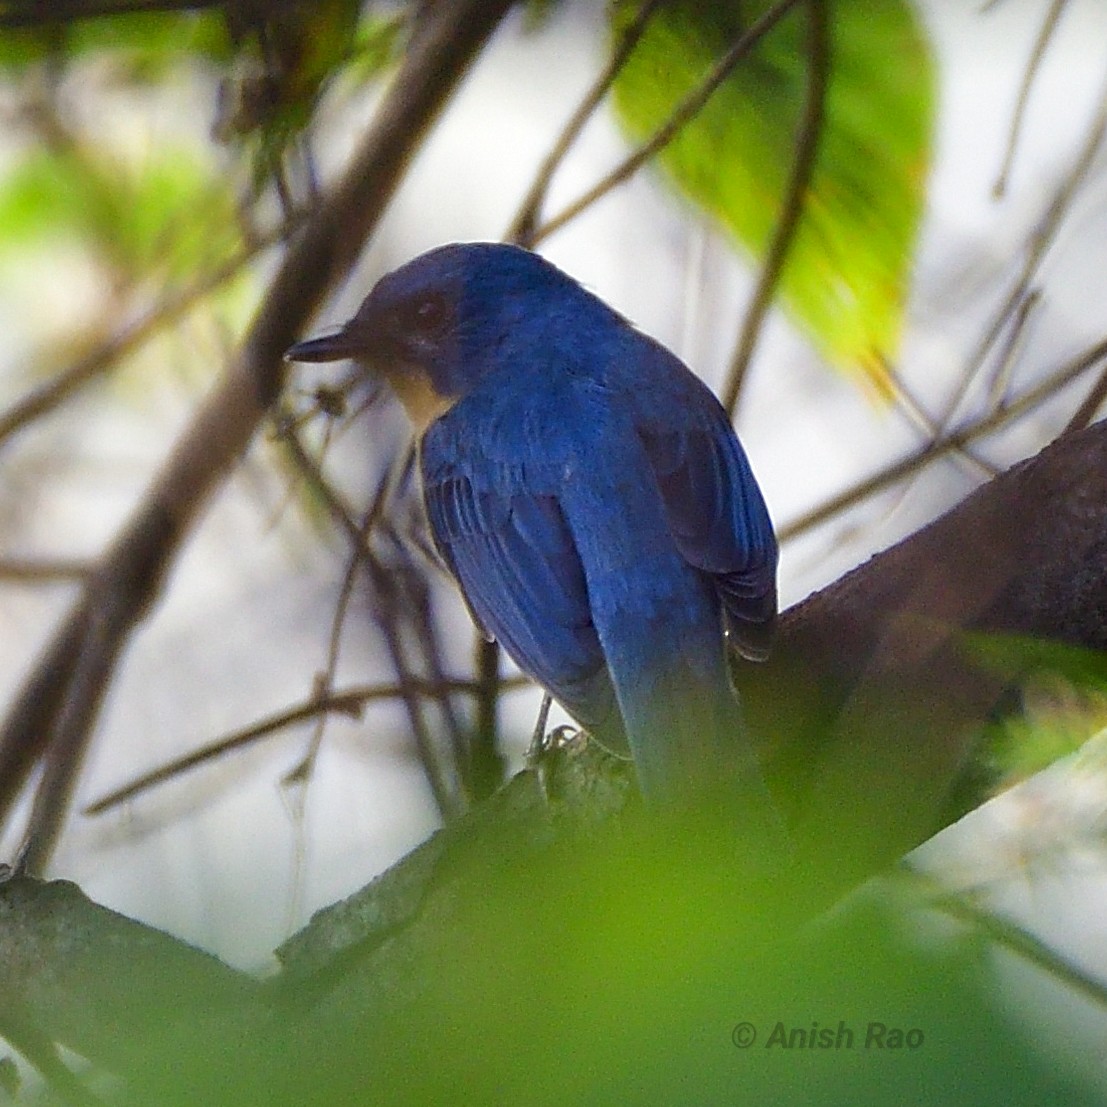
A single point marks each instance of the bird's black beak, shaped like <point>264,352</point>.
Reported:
<point>329,347</point>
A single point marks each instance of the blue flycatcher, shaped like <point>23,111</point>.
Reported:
<point>590,496</point>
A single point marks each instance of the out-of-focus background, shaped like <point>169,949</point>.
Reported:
<point>233,856</point>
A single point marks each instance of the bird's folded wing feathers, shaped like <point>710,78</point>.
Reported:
<point>516,562</point>
<point>718,517</point>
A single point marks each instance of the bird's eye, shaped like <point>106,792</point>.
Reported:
<point>425,315</point>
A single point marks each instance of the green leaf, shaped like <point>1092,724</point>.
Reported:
<point>179,215</point>
<point>376,46</point>
<point>42,196</point>
<point>847,270</point>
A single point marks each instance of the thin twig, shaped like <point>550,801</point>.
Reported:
<point>538,735</point>
<point>487,762</point>
<point>795,193</point>
<point>442,770</point>
<point>342,515</point>
<point>166,312</point>
<point>103,633</point>
<point>45,570</point>
<point>1013,313</point>
<point>415,597</point>
<point>684,112</point>
<point>1040,242</point>
<point>944,444</point>
<point>1000,377</point>
<point>911,408</point>
<point>324,681</point>
<point>1003,932</point>
<point>1012,937</point>
<point>347,701</point>
<point>1091,404</point>
<point>522,226</point>
<point>1041,44</point>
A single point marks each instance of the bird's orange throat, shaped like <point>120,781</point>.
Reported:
<point>420,400</point>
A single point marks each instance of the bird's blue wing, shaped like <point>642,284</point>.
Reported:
<point>501,531</point>
<point>716,512</point>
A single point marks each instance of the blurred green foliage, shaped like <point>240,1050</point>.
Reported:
<point>144,45</point>
<point>1061,693</point>
<point>637,967</point>
<point>164,207</point>
<point>169,213</point>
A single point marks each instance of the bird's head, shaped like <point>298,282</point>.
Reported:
<point>438,325</point>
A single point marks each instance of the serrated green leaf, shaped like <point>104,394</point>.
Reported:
<point>846,274</point>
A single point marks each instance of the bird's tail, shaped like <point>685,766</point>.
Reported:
<point>692,751</point>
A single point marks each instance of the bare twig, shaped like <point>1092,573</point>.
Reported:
<point>911,408</point>
<point>488,763</point>
<point>442,769</point>
<point>795,193</point>
<point>1012,937</point>
<point>324,681</point>
<point>1000,376</point>
<point>415,599</point>
<point>522,226</point>
<point>1041,44</point>
<point>685,111</point>
<point>1013,307</point>
<point>347,701</point>
<point>439,758</point>
<point>944,444</point>
<point>973,461</point>
<point>1003,932</point>
<point>43,570</point>
<point>166,312</point>
<point>1091,403</point>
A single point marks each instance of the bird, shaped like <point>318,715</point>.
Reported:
<point>590,496</point>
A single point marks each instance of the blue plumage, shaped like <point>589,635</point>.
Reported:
<point>589,494</point>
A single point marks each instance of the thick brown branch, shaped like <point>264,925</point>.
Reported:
<point>872,702</point>
<point>100,983</point>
